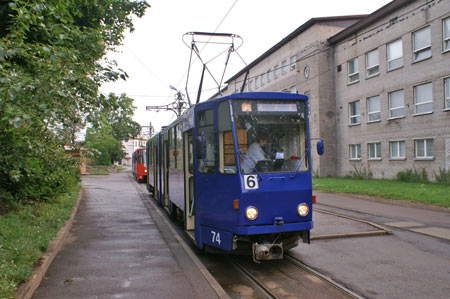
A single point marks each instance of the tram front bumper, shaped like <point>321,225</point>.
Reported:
<point>272,228</point>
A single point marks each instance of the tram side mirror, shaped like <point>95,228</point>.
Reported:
<point>320,147</point>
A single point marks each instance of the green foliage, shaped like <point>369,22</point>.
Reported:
<point>104,148</point>
<point>443,177</point>
<point>51,67</point>
<point>25,233</point>
<point>361,173</point>
<point>412,175</point>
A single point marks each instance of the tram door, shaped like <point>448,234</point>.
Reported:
<point>155,170</point>
<point>165,175</point>
<point>189,202</point>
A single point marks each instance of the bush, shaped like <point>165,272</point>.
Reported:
<point>443,177</point>
<point>412,175</point>
<point>361,173</point>
<point>31,170</point>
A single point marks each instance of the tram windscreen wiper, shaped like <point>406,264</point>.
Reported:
<point>300,163</point>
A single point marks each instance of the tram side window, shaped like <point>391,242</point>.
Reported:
<point>227,157</point>
<point>205,142</point>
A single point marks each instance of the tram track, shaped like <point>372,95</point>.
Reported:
<point>282,280</point>
<point>271,279</point>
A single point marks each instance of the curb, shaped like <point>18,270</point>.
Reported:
<point>27,288</point>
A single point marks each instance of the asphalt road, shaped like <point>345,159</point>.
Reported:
<point>117,250</point>
<point>413,262</point>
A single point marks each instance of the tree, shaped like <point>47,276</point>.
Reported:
<point>50,71</point>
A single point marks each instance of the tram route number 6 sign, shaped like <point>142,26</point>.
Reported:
<point>251,182</point>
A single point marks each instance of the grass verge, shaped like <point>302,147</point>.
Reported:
<point>98,171</point>
<point>25,234</point>
<point>427,193</point>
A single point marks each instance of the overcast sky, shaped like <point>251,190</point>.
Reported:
<point>155,57</point>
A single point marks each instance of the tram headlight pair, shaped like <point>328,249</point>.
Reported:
<point>303,209</point>
<point>251,213</point>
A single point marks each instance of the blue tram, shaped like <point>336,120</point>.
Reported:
<point>238,169</point>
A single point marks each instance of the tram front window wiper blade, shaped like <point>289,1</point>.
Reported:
<point>300,163</point>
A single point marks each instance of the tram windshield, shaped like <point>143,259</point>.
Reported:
<point>272,136</point>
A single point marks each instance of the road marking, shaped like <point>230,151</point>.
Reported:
<point>439,232</point>
<point>404,224</point>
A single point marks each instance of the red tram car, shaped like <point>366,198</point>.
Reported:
<point>139,165</point>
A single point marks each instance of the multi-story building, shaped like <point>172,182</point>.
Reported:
<point>379,86</point>
<point>392,80</point>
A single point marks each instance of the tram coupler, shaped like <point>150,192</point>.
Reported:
<point>264,252</point>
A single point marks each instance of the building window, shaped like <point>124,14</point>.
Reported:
<point>372,65</point>
<point>396,104</point>
<point>294,89</point>
<point>395,55</point>
<point>374,150</point>
<point>374,108</point>
<point>353,72</point>
<point>276,71</point>
<point>269,76</point>
<point>447,93</point>
<point>293,62</point>
<point>284,67</point>
<point>423,98</point>
<point>354,113</point>
<point>421,44</point>
<point>423,149</point>
<point>256,82</point>
<point>262,80</point>
<point>355,151</point>
<point>446,33</point>
<point>250,85</point>
<point>397,149</point>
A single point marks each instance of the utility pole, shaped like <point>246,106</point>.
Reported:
<point>176,106</point>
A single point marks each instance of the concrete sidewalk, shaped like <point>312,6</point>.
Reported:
<point>115,250</point>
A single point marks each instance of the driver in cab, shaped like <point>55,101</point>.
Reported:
<point>254,154</point>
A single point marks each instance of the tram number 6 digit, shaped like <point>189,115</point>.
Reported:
<point>215,237</point>
<point>251,182</point>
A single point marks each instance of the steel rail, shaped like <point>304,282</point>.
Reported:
<point>260,286</point>
<point>323,277</point>
<point>381,229</point>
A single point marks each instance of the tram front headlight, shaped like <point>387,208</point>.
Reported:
<point>303,209</point>
<point>251,213</point>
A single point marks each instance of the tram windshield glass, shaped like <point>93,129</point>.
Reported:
<point>272,135</point>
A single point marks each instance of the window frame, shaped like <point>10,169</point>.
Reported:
<point>354,116</point>
<point>370,113</point>
<point>423,49</point>
<point>373,67</point>
<point>398,107</point>
<point>447,94</point>
<point>350,75</point>
<point>422,103</point>
<point>293,62</point>
<point>445,36</point>
<point>389,60</point>
<point>377,150</point>
<point>276,71</point>
<point>269,75</point>
<point>357,151</point>
<point>256,82</point>
<point>397,144</point>
<point>262,80</point>
<point>284,67</point>
<point>425,148</point>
